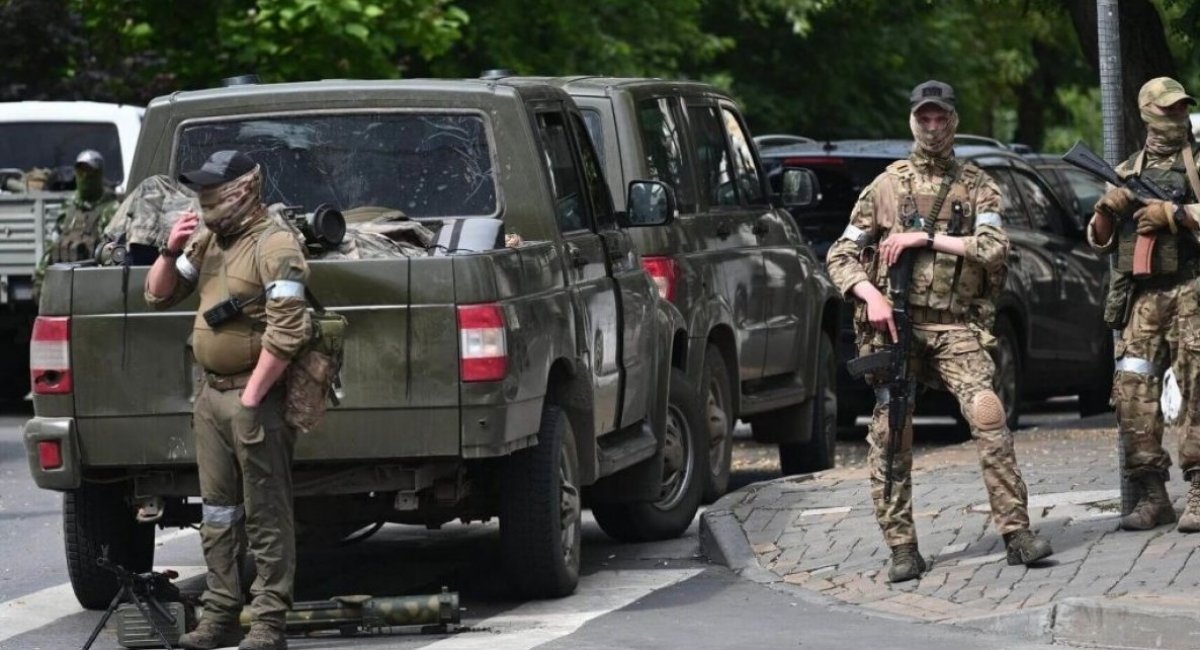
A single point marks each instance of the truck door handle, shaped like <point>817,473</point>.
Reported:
<point>723,230</point>
<point>761,228</point>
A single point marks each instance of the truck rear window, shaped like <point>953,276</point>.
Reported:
<point>25,145</point>
<point>423,164</point>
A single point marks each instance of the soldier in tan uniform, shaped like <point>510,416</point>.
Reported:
<point>243,447</point>
<point>946,212</point>
<point>1159,303</point>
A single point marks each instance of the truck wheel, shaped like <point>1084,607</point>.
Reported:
<point>718,411</point>
<point>684,463</point>
<point>540,511</point>
<point>820,451</point>
<point>96,516</point>
<point>1008,371</point>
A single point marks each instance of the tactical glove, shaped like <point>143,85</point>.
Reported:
<point>1156,215</point>
<point>1117,203</point>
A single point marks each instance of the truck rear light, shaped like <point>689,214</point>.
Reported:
<point>50,454</point>
<point>483,347</point>
<point>665,272</point>
<point>50,356</point>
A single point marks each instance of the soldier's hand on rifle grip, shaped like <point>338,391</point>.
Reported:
<point>1155,216</point>
<point>1117,203</point>
<point>879,312</point>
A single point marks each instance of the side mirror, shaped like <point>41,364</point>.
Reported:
<point>799,188</point>
<point>649,203</point>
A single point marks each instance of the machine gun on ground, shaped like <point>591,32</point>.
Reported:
<point>892,361</point>
<point>150,609</point>
<point>352,615</point>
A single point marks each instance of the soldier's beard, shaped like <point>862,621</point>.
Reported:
<point>1165,135</point>
<point>230,208</point>
<point>934,145</point>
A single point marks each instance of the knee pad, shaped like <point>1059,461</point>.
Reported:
<point>985,411</point>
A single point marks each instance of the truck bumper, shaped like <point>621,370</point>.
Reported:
<point>58,432</point>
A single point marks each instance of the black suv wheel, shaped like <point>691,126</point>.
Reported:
<point>1008,371</point>
<point>820,451</point>
<point>718,415</point>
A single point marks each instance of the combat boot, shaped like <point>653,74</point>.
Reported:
<point>210,634</point>
<point>1153,509</point>
<point>264,636</point>
<point>1190,521</point>
<point>907,563</point>
<point>1024,547</point>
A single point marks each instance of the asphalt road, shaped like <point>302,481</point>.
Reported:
<point>660,595</point>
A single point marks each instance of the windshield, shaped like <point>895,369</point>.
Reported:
<point>25,145</point>
<point>422,164</point>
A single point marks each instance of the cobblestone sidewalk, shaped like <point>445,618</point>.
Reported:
<point>818,532</point>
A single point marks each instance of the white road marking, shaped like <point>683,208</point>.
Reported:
<point>535,623</point>
<point>166,538</point>
<point>31,611</point>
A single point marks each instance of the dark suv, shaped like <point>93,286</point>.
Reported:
<point>761,313</point>
<point>1051,338</point>
<point>1076,189</point>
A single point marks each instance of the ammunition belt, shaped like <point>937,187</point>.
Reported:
<point>922,315</point>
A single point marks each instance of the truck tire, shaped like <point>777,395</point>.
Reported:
<point>1008,371</point>
<point>820,451</point>
<point>684,466</point>
<point>717,399</point>
<point>540,510</point>
<point>96,516</point>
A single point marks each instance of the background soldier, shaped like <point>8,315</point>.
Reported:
<point>86,216</point>
<point>243,447</point>
<point>948,212</point>
<point>1163,328</point>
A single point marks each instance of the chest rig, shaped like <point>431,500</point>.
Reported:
<point>80,230</point>
<point>1174,254</point>
<point>941,282</point>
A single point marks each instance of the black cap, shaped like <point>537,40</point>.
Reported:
<point>932,91</point>
<point>221,167</point>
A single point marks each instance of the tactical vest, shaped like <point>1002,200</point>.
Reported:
<point>1174,254</point>
<point>81,229</point>
<point>940,281</point>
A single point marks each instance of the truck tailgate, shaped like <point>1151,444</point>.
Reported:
<point>134,379</point>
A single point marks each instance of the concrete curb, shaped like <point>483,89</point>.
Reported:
<point>1103,623</point>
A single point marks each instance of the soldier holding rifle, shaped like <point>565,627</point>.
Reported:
<point>1153,300</point>
<point>934,223</point>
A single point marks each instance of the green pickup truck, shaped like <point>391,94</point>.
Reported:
<point>481,379</point>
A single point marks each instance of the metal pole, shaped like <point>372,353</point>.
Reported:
<point>1109,32</point>
<point>1108,28</point>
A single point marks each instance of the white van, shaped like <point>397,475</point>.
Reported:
<point>51,134</point>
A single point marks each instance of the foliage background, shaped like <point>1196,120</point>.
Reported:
<point>1024,70</point>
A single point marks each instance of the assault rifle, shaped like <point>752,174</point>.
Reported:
<point>892,361</point>
<point>1089,161</point>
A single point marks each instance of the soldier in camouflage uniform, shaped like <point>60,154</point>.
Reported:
<point>1160,306</point>
<point>962,250</point>
<point>86,216</point>
<point>244,446</point>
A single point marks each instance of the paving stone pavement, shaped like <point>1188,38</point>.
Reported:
<point>818,532</point>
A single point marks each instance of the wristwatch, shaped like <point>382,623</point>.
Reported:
<point>166,251</point>
<point>1180,216</point>
<point>929,240</point>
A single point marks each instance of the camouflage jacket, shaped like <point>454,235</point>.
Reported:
<point>899,200</point>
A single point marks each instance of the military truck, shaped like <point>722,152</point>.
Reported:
<point>761,312</point>
<point>46,136</point>
<point>480,379</point>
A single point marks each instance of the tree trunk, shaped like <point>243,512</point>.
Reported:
<point>1144,54</point>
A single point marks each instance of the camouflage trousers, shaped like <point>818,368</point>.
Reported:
<point>957,360</point>
<point>1163,331</point>
<point>245,462</point>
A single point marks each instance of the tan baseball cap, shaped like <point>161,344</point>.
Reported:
<point>1162,92</point>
